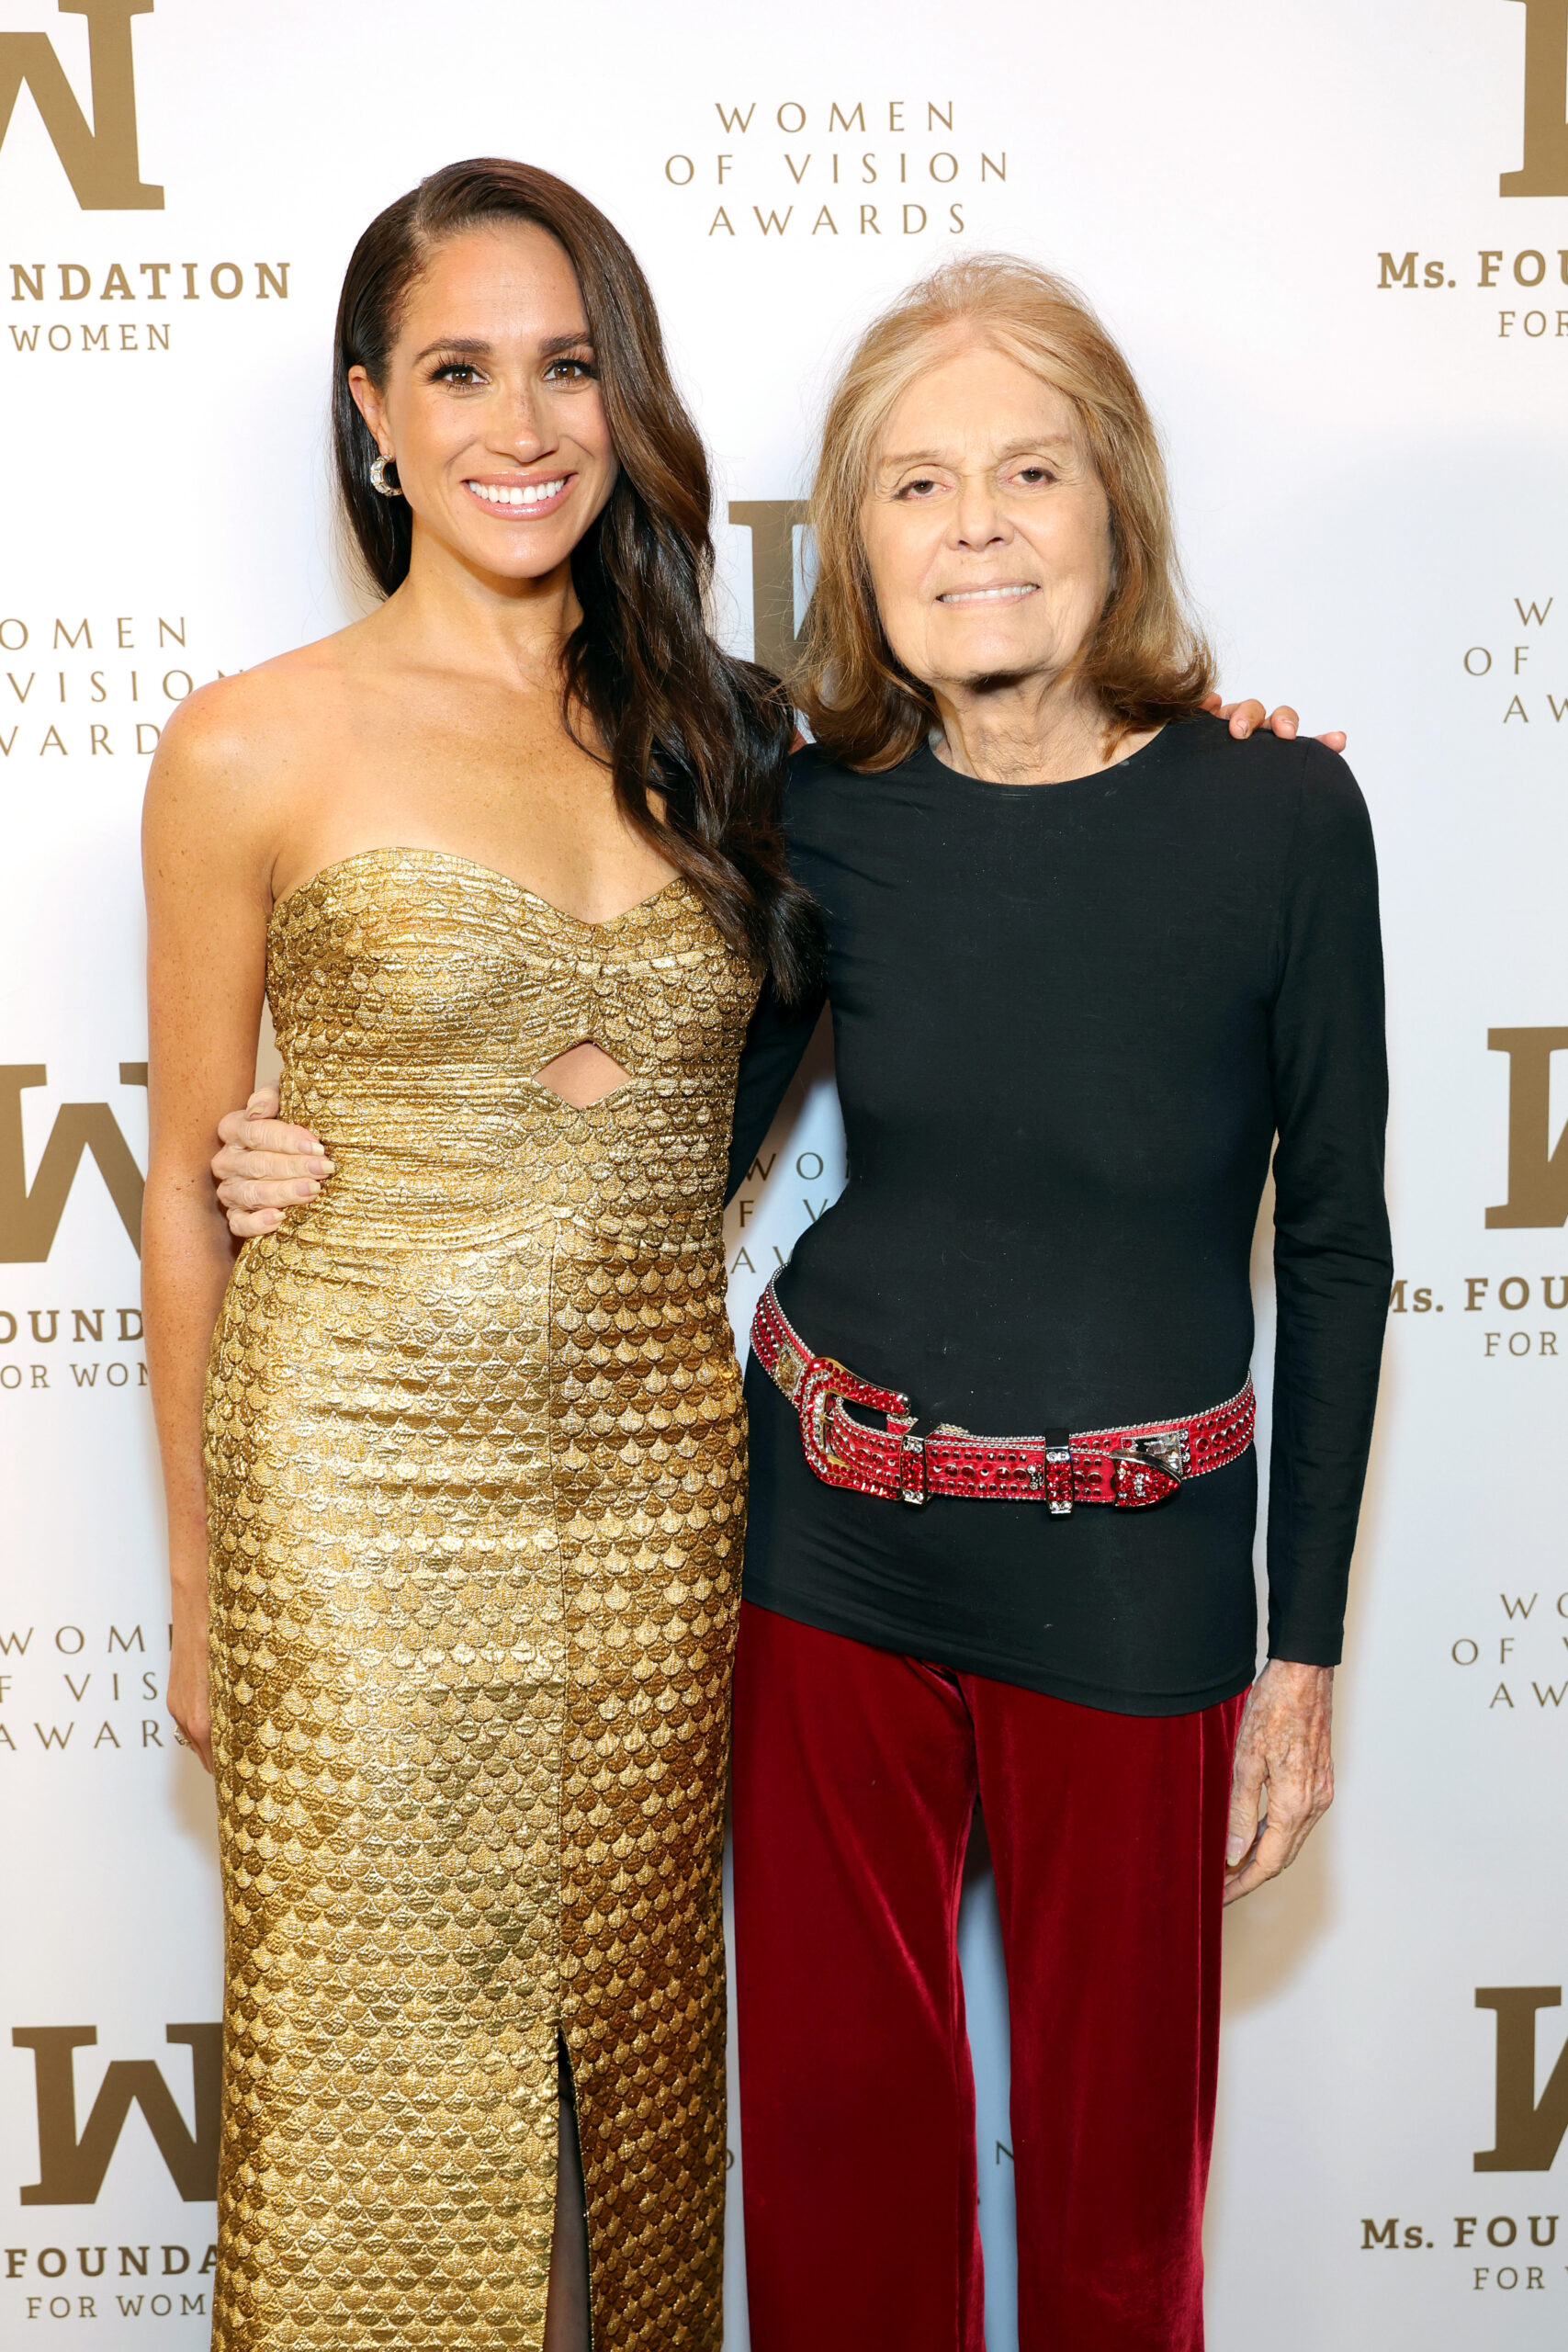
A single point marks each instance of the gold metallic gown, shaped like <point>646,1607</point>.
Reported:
<point>476,1470</point>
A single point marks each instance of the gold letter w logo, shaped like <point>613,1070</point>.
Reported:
<point>101,164</point>
<point>71,2170</point>
<point>28,1221</point>
<point>1530,2131</point>
<point>1537,1175</point>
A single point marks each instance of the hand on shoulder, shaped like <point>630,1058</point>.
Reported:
<point>1246,718</point>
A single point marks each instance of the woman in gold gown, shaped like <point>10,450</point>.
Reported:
<point>456,1461</point>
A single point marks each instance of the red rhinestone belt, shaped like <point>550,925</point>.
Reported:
<point>1129,1468</point>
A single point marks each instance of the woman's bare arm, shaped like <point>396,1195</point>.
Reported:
<point>207,863</point>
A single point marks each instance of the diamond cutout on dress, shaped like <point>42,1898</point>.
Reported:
<point>583,1075</point>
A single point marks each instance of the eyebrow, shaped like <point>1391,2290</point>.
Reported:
<point>1051,443</point>
<point>475,347</point>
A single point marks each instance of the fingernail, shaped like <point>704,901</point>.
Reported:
<point>1233,1853</point>
<point>319,1167</point>
<point>305,1192</point>
<point>1245,729</point>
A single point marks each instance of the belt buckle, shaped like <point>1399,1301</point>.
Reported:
<point>815,1409</point>
<point>817,1390</point>
<point>1166,1448</point>
<point>1163,1452</point>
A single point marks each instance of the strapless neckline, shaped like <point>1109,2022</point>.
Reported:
<point>489,874</point>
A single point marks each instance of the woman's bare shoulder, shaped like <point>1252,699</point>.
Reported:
<point>259,723</point>
<point>236,758</point>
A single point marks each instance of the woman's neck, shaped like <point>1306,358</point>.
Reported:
<point>448,615</point>
<point>1029,730</point>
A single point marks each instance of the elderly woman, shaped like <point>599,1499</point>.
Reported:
<point>1089,953</point>
<point>1088,957</point>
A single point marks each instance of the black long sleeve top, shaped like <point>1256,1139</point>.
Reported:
<point>1070,1022</point>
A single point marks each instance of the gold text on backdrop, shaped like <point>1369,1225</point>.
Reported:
<point>1530,2131</point>
<point>1545,170</point>
<point>28,1220</point>
<point>1537,1175</point>
<point>102,164</point>
<point>71,2170</point>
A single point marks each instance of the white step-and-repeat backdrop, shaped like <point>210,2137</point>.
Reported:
<point>1335,241</point>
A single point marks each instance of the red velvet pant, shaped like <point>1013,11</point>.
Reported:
<point>856,1774</point>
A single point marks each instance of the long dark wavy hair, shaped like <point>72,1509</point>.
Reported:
<point>675,714</point>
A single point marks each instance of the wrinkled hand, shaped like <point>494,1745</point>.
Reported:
<point>265,1166</point>
<point>1282,1756</point>
<point>1247,718</point>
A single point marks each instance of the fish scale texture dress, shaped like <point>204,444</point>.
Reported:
<point>476,1471</point>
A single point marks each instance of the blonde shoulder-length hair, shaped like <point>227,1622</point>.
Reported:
<point>1146,660</point>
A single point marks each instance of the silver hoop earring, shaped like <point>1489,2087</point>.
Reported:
<point>378,478</point>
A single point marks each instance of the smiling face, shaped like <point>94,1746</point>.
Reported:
<point>985,528</point>
<point>491,406</point>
